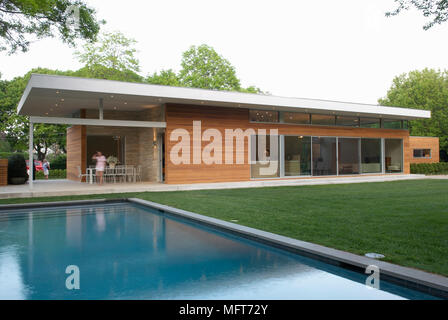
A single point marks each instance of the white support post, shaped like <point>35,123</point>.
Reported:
<point>101,109</point>
<point>30,156</point>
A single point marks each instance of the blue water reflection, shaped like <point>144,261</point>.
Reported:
<point>125,251</point>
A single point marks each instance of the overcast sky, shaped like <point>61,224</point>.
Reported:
<point>344,50</point>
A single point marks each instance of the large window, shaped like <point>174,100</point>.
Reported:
<point>369,123</point>
<point>348,155</point>
<point>422,153</point>
<point>324,156</point>
<point>265,156</point>
<point>323,120</point>
<point>393,155</point>
<point>371,156</point>
<point>267,116</point>
<point>392,124</point>
<point>297,156</point>
<point>347,121</point>
<point>295,117</point>
<point>263,116</point>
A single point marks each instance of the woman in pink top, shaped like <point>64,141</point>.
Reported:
<point>100,165</point>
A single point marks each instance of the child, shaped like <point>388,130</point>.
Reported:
<point>46,167</point>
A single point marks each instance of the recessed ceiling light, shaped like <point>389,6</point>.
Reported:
<point>56,105</point>
<point>46,113</point>
<point>57,92</point>
<point>62,100</point>
<point>112,96</point>
<point>115,108</point>
<point>125,103</point>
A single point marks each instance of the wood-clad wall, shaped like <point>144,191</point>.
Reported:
<point>182,117</point>
<point>76,149</point>
<point>424,143</point>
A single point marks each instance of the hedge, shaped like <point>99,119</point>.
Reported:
<point>6,155</point>
<point>429,168</point>
<point>58,162</point>
<point>54,174</point>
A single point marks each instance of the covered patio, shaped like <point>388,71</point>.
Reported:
<point>125,126</point>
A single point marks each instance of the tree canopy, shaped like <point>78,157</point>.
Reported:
<point>23,20</point>
<point>436,10</point>
<point>15,127</point>
<point>112,57</point>
<point>428,90</point>
<point>203,67</point>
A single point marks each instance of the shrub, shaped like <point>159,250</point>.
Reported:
<point>58,162</point>
<point>6,155</point>
<point>17,167</point>
<point>429,168</point>
<point>54,174</point>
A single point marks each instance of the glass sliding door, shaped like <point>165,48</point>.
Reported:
<point>297,156</point>
<point>265,157</point>
<point>371,156</point>
<point>393,155</point>
<point>324,156</point>
<point>348,155</point>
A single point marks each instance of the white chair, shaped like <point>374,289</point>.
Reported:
<point>109,173</point>
<point>120,173</point>
<point>130,173</point>
<point>138,173</point>
<point>82,175</point>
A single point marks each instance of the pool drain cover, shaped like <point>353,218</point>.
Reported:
<point>374,255</point>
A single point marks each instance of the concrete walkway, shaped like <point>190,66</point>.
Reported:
<point>52,188</point>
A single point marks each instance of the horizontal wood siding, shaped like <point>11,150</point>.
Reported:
<point>182,116</point>
<point>424,143</point>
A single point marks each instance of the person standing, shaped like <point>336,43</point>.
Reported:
<point>46,167</point>
<point>100,165</point>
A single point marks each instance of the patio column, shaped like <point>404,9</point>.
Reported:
<point>30,156</point>
<point>101,109</point>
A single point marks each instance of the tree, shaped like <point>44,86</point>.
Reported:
<point>437,10</point>
<point>164,77</point>
<point>203,67</point>
<point>112,58</point>
<point>21,20</point>
<point>15,128</point>
<point>428,90</point>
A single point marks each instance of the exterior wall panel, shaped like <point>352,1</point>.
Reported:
<point>76,149</point>
<point>182,117</point>
<point>424,143</point>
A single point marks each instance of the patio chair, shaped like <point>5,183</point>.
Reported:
<point>82,175</point>
<point>130,174</point>
<point>138,173</point>
<point>120,173</point>
<point>109,174</point>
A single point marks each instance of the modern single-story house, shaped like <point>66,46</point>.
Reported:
<point>185,135</point>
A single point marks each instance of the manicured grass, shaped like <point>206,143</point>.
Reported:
<point>405,220</point>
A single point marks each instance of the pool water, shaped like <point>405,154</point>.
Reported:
<point>126,251</point>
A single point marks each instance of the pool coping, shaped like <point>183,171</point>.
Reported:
<point>430,283</point>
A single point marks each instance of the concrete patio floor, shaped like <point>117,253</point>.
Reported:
<point>52,188</point>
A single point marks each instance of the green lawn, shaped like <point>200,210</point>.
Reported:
<point>405,220</point>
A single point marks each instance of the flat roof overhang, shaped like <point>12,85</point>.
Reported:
<point>62,96</point>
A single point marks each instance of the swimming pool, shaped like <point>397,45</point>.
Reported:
<point>127,251</point>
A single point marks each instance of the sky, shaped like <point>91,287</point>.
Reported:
<point>344,50</point>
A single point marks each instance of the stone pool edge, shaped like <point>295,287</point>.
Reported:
<point>412,278</point>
